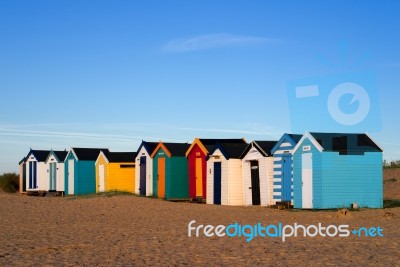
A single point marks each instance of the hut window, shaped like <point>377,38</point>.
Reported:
<point>127,166</point>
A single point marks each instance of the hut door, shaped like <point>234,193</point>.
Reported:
<point>101,178</point>
<point>306,174</point>
<point>161,177</point>
<point>199,177</point>
<point>217,183</point>
<point>53,173</point>
<point>286,177</point>
<point>32,174</point>
<point>255,182</point>
<point>71,175</point>
<point>142,187</point>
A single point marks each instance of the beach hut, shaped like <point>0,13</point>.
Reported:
<point>258,170</point>
<point>22,176</point>
<point>283,168</point>
<point>144,169</point>
<point>197,164</point>
<point>224,174</point>
<point>170,169</point>
<point>115,171</point>
<point>335,170</point>
<point>36,171</point>
<point>80,171</point>
<point>55,171</point>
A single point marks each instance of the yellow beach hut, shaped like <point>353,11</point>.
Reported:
<point>115,171</point>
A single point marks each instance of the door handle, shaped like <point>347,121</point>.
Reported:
<point>249,187</point>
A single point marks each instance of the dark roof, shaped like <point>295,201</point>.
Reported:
<point>61,155</point>
<point>230,150</point>
<point>22,160</point>
<point>149,146</point>
<point>177,149</point>
<point>346,143</point>
<point>121,156</point>
<point>264,147</point>
<point>296,137</point>
<point>40,155</point>
<point>210,143</point>
<point>88,153</point>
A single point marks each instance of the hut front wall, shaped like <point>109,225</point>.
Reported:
<point>265,166</point>
<point>348,179</point>
<point>316,175</point>
<point>286,148</point>
<point>42,177</point>
<point>67,183</point>
<point>197,153</point>
<point>85,182</point>
<point>232,182</point>
<point>149,172</point>
<point>216,157</point>
<point>60,172</point>
<point>176,179</point>
<point>22,177</point>
<point>102,161</point>
<point>60,186</point>
<point>121,177</point>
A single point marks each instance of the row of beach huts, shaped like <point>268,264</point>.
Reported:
<point>309,171</point>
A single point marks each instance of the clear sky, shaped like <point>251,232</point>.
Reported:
<point>111,73</point>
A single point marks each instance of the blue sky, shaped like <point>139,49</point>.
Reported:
<point>111,73</point>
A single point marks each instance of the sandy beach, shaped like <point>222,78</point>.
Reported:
<point>131,230</point>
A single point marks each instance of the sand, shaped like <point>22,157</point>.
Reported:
<point>131,230</point>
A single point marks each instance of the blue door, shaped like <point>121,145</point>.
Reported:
<point>217,183</point>
<point>53,176</point>
<point>142,186</point>
<point>32,174</point>
<point>287,177</point>
<point>35,175</point>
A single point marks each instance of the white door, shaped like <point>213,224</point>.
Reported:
<point>71,176</point>
<point>101,178</point>
<point>306,174</point>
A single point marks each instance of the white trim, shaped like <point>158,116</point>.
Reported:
<point>98,157</point>
<point>73,152</point>
<point>312,140</point>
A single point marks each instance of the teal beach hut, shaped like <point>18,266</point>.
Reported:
<point>335,170</point>
<point>80,170</point>
<point>170,171</point>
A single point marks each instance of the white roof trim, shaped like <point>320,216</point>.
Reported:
<point>101,154</point>
<point>312,140</point>
<point>73,152</point>
<point>139,153</point>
